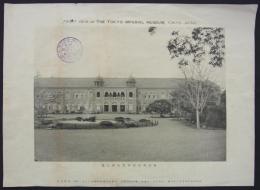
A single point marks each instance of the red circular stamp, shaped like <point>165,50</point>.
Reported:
<point>69,49</point>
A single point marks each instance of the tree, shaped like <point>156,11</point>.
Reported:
<point>181,99</point>
<point>216,114</point>
<point>159,106</point>
<point>222,107</point>
<point>198,56</point>
<point>180,102</point>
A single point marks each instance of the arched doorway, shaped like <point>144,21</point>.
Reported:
<point>114,107</point>
<point>106,107</point>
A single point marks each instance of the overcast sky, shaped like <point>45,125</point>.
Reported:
<point>111,51</point>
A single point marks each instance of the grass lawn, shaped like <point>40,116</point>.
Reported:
<point>169,141</point>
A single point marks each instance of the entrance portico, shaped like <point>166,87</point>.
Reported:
<point>115,108</point>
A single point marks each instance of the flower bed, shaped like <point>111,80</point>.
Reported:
<point>74,124</point>
<point>98,124</point>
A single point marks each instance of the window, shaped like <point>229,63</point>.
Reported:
<point>122,108</point>
<point>98,94</point>
<point>130,94</point>
<point>106,108</point>
<point>122,94</point>
<point>106,94</point>
<point>114,94</point>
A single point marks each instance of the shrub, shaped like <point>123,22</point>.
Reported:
<point>106,124</point>
<point>121,119</point>
<point>191,116</point>
<point>78,118</point>
<point>159,106</point>
<point>76,126</point>
<point>131,124</point>
<point>216,117</point>
<point>92,119</point>
<point>46,122</point>
<point>118,118</point>
<point>144,120</point>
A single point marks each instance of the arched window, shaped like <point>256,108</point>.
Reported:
<point>110,94</point>
<point>98,94</point>
<point>114,94</point>
<point>122,94</point>
<point>106,94</point>
<point>130,94</point>
<point>118,94</point>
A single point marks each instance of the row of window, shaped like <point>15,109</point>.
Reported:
<point>78,96</point>
<point>150,96</point>
<point>115,94</point>
<point>107,94</point>
<point>113,108</point>
<point>111,94</point>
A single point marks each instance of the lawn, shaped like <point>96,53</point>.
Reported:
<point>171,140</point>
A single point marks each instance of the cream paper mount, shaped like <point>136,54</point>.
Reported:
<point>128,95</point>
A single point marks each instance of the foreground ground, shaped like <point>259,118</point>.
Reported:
<point>171,140</point>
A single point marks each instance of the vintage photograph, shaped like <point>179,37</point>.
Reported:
<point>129,93</point>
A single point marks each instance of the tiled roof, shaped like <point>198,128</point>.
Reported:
<point>108,82</point>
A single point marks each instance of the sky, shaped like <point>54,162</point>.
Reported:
<point>110,51</point>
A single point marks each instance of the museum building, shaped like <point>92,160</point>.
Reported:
<point>100,95</point>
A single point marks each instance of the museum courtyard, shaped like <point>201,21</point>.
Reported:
<point>170,140</point>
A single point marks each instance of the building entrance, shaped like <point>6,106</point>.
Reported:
<point>114,108</point>
<point>106,108</point>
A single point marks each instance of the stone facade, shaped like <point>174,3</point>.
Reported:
<point>100,95</point>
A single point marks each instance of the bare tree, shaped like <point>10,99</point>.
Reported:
<point>198,55</point>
